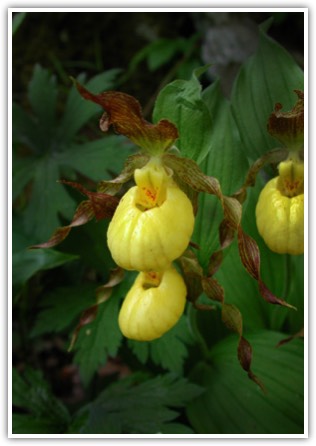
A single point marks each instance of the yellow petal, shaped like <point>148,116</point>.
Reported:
<point>151,239</point>
<point>280,219</point>
<point>153,305</point>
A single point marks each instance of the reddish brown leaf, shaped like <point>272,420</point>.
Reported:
<point>249,254</point>
<point>132,162</point>
<point>226,234</point>
<point>250,257</point>
<point>87,317</point>
<point>103,293</point>
<point>299,334</point>
<point>100,205</point>
<point>245,359</point>
<point>288,127</point>
<point>83,214</point>
<point>189,173</point>
<point>232,211</point>
<point>213,289</point>
<point>192,274</point>
<point>103,205</point>
<point>232,318</point>
<point>124,113</point>
<point>274,156</point>
<point>215,262</point>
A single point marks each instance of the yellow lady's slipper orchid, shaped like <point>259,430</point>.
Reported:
<point>153,222</point>
<point>153,305</point>
<point>280,209</point>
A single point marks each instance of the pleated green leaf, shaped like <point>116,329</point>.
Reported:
<point>269,76</point>
<point>137,406</point>
<point>232,404</point>
<point>42,411</point>
<point>181,103</point>
<point>225,161</point>
<point>169,351</point>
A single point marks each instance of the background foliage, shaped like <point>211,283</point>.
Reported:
<point>188,381</point>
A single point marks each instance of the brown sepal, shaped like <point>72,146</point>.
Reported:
<point>213,289</point>
<point>245,359</point>
<point>103,293</point>
<point>133,162</point>
<point>192,274</point>
<point>288,127</point>
<point>250,257</point>
<point>299,334</point>
<point>274,156</point>
<point>103,204</point>
<point>124,113</point>
<point>99,205</point>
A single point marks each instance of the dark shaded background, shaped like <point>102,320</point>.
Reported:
<point>69,43</point>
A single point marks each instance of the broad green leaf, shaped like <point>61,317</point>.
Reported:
<point>114,409</point>
<point>98,160</point>
<point>232,404</point>
<point>78,111</point>
<point>27,424</point>
<point>23,172</point>
<point>170,351</point>
<point>242,290</point>
<point>102,337</point>
<point>42,94</point>
<point>62,306</point>
<point>26,263</point>
<point>89,243</point>
<point>269,76</point>
<point>33,394</point>
<point>225,161</point>
<point>25,129</point>
<point>181,103</point>
<point>48,200</point>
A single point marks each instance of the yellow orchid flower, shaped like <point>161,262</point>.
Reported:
<point>153,305</point>
<point>280,209</point>
<point>153,222</point>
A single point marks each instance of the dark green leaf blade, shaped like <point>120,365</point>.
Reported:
<point>33,394</point>
<point>232,404</point>
<point>102,337</point>
<point>226,162</point>
<point>25,129</point>
<point>181,103</point>
<point>270,76</point>
<point>170,351</point>
<point>27,424</point>
<point>48,200</point>
<point>114,409</point>
<point>62,306</point>
<point>98,159</point>
<point>26,263</point>
<point>42,94</point>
